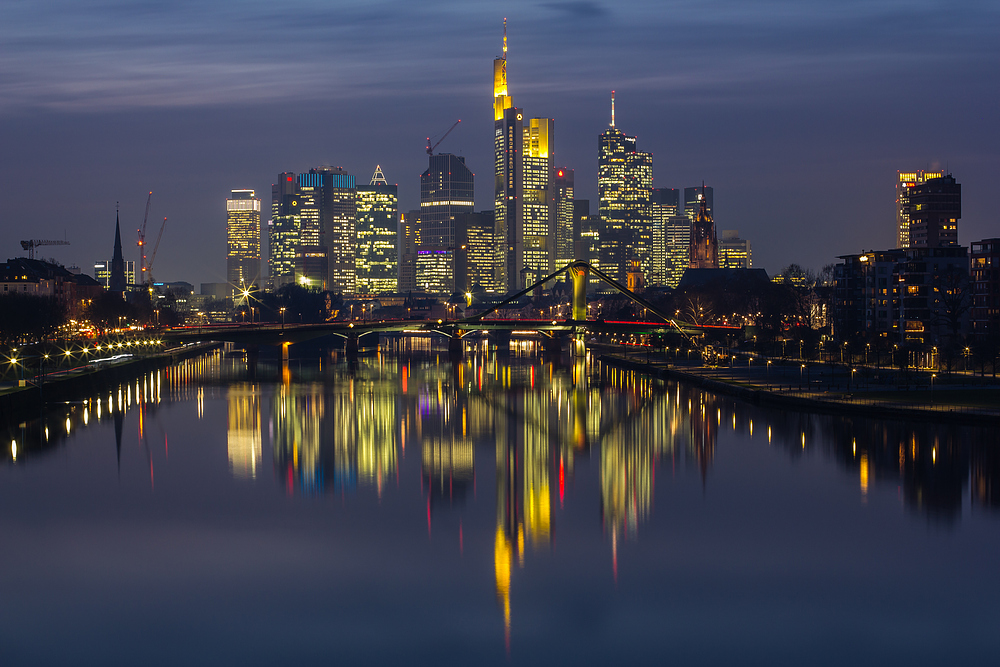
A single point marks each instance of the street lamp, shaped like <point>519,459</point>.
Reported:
<point>282,311</point>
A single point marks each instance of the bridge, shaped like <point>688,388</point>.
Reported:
<point>554,332</point>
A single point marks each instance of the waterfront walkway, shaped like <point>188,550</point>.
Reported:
<point>815,385</point>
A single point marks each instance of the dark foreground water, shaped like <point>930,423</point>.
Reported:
<point>399,510</point>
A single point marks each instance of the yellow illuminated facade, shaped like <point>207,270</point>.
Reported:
<point>243,431</point>
<point>904,181</point>
<point>283,231</point>
<point>538,234</point>
<point>243,235</point>
<point>734,252</point>
<point>376,256</point>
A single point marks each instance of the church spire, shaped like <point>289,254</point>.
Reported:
<point>116,283</point>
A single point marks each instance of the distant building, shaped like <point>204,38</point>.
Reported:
<point>677,234</point>
<point>934,209</point>
<point>283,231</point>
<point>102,273</point>
<point>435,269</point>
<point>566,229</point>
<point>535,243</point>
<point>243,238</point>
<point>905,181</point>
<point>985,277</point>
<point>376,256</point>
<point>663,206</point>
<point>624,183</point>
<point>734,252</point>
<point>408,243</point>
<point>36,277</point>
<point>476,252</point>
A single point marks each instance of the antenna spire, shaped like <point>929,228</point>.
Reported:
<point>505,37</point>
<point>612,108</point>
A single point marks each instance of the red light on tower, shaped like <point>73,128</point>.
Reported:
<point>288,178</point>
<point>560,173</point>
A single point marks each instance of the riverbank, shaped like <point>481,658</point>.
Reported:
<point>925,404</point>
<point>87,380</point>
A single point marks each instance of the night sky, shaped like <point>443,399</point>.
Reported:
<point>797,112</point>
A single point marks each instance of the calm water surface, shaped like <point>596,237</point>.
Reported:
<point>412,510</point>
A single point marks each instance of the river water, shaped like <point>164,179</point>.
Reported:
<point>402,508</point>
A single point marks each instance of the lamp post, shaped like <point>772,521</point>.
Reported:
<point>282,311</point>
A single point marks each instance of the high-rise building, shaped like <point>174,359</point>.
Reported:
<point>734,252</point>
<point>624,183</point>
<point>663,205</point>
<point>102,272</point>
<point>704,244</point>
<point>524,198</point>
<point>376,257</point>
<point>327,199</point>
<point>408,243</point>
<point>243,238</point>
<point>905,180</point>
<point>283,231</point>
<point>476,252</point>
<point>566,229</point>
<point>447,188</point>
<point>678,248</point>
<point>587,243</point>
<point>934,209</point>
<point>537,240</point>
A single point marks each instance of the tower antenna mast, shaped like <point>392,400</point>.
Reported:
<point>612,108</point>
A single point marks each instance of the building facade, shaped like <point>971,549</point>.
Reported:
<point>985,276</point>
<point>734,252</point>
<point>327,205</point>
<point>934,209</point>
<point>704,244</point>
<point>243,238</point>
<point>376,256</point>
<point>283,231</point>
<point>905,181</point>
<point>566,229</point>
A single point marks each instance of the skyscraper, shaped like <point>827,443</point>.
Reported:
<point>328,212</point>
<point>376,256</point>
<point>283,231</point>
<point>243,237</point>
<point>102,272</point>
<point>524,201</point>
<point>663,206</point>
<point>447,188</point>
<point>624,182</point>
<point>934,208</point>
<point>693,198</point>
<point>566,232</point>
<point>905,181</point>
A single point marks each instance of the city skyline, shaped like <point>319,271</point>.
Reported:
<point>774,120</point>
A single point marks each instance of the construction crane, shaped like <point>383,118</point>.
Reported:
<point>430,148</point>
<point>149,265</point>
<point>142,243</point>
<point>34,243</point>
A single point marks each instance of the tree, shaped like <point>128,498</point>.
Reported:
<point>26,317</point>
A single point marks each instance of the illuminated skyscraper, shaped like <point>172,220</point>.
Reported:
<point>566,232</point>
<point>447,188</point>
<point>102,273</point>
<point>678,248</point>
<point>524,208</point>
<point>377,232</point>
<point>328,213</point>
<point>243,235</point>
<point>624,182</point>
<point>283,231</point>
<point>662,207</point>
<point>905,181</point>
<point>476,252</point>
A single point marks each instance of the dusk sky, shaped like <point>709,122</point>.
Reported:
<point>797,112</point>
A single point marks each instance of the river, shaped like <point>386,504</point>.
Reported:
<point>404,508</point>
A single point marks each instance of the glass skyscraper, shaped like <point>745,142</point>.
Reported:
<point>376,255</point>
<point>243,235</point>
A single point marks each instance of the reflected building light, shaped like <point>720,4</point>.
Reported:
<point>864,474</point>
<point>13,450</point>
<point>243,431</point>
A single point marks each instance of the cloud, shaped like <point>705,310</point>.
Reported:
<point>578,8</point>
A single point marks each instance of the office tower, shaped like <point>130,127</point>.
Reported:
<point>116,281</point>
<point>102,273</point>
<point>507,146</point>
<point>934,209</point>
<point>905,180</point>
<point>327,208</point>
<point>585,245</point>
<point>243,237</point>
<point>985,312</point>
<point>704,245</point>
<point>693,199</point>
<point>663,205</point>
<point>447,188</point>
<point>408,242</point>
<point>283,231</point>
<point>376,259</point>
<point>536,242</point>
<point>734,252</point>
<point>624,182</point>
<point>566,230</point>
<point>435,269</point>
<point>475,252</point>
<point>678,248</point>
